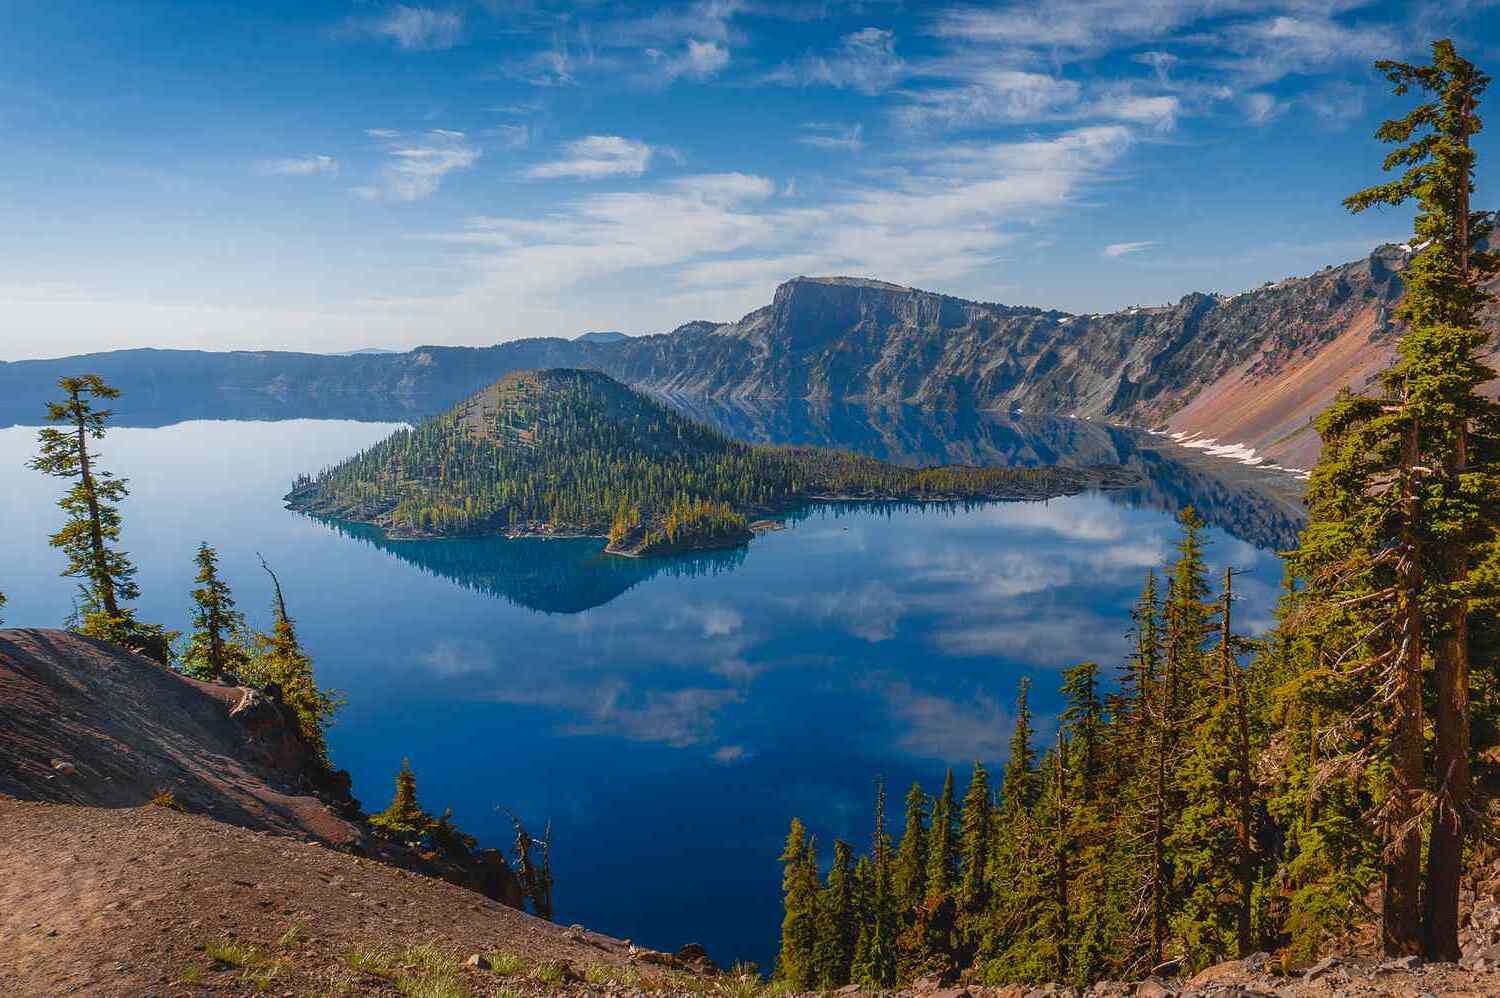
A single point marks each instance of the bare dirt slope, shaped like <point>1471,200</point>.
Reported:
<point>85,722</point>
<point>122,901</point>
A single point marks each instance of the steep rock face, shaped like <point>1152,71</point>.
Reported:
<point>841,338</point>
<point>1249,368</point>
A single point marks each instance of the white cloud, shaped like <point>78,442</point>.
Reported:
<point>1125,249</point>
<point>1158,112</point>
<point>994,95</point>
<point>1067,28</point>
<point>420,28</point>
<point>941,216</point>
<point>297,166</point>
<point>698,60</point>
<point>1161,63</point>
<point>1270,49</point>
<point>415,168</point>
<point>850,139</point>
<point>595,157</point>
<point>512,136</point>
<point>865,61</point>
<point>551,68</point>
<point>1261,108</point>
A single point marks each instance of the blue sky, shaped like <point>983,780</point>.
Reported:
<point>327,176</point>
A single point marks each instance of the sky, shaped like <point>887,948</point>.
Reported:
<point>327,176</point>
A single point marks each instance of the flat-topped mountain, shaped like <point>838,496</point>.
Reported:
<point>576,453</point>
<point>601,336</point>
<point>1249,368</point>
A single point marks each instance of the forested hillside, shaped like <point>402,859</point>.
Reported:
<point>1331,784</point>
<point>575,452</point>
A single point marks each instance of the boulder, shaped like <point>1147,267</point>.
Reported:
<point>1400,965</point>
<point>1154,987</point>
<point>1323,968</point>
<point>695,958</point>
<point>1217,973</point>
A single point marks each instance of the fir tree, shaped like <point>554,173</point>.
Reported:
<point>1019,789</point>
<point>877,965</point>
<point>1084,717</point>
<point>215,652</point>
<point>1186,623</point>
<point>838,920</point>
<point>797,964</point>
<point>942,850</point>
<point>974,845</point>
<point>911,856</point>
<point>404,819</point>
<point>280,661</point>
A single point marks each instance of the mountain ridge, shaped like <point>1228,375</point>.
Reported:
<point>1250,368</point>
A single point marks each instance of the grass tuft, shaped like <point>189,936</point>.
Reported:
<point>292,936</point>
<point>432,986</point>
<point>234,952</point>
<point>505,964</point>
<point>549,972</point>
<point>379,960</point>
<point>602,973</point>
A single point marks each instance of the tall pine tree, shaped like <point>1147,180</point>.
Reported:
<point>1445,474</point>
<point>92,531</point>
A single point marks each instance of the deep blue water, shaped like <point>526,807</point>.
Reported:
<point>667,717</point>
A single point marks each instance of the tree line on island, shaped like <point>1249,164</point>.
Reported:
<point>222,647</point>
<point>564,451</point>
<point>1233,795</point>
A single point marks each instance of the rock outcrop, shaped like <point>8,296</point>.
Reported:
<point>84,722</point>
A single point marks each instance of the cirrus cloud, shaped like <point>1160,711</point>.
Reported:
<point>595,157</point>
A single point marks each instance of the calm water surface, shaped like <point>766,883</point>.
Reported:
<point>667,717</point>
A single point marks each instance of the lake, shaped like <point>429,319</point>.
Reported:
<point>670,717</point>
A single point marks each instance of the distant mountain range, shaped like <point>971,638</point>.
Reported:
<point>1250,369</point>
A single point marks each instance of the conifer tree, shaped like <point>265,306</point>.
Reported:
<point>942,850</point>
<point>1084,717</point>
<point>404,819</point>
<point>1447,479</point>
<point>2,607</point>
<point>280,660</point>
<point>838,920</point>
<point>911,855</point>
<point>878,958</point>
<point>797,965</point>
<point>215,652</point>
<point>974,845</point>
<point>1213,840</point>
<point>1186,623</point>
<point>1019,789</point>
<point>93,518</point>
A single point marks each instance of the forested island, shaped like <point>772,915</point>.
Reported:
<point>571,453</point>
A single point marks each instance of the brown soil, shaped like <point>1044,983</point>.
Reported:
<point>122,901</point>
<point>1273,413</point>
<point>85,722</point>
